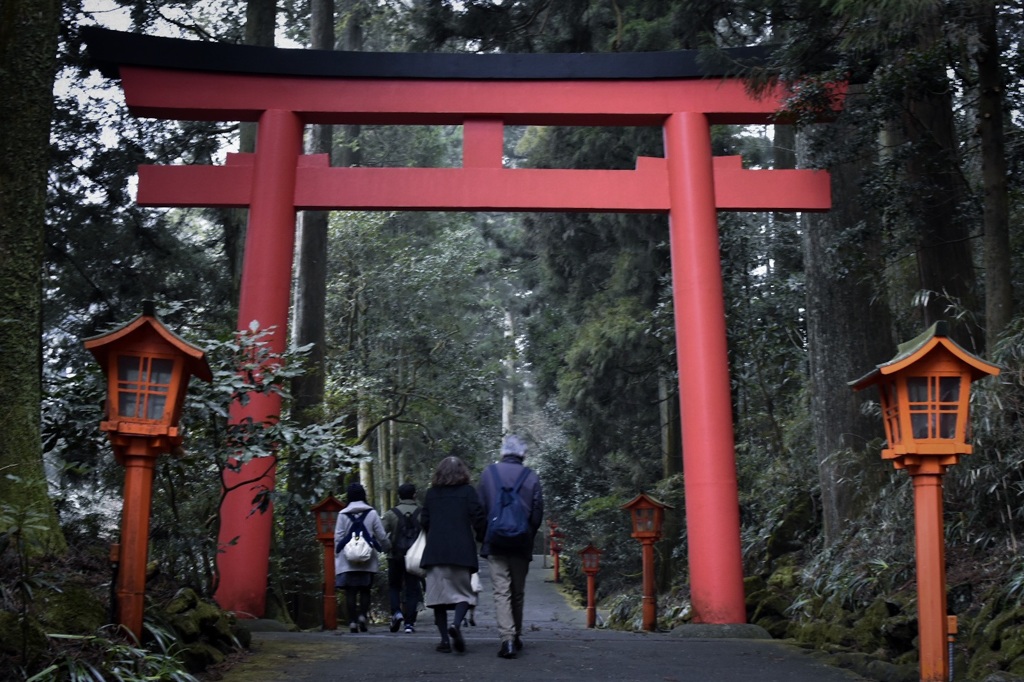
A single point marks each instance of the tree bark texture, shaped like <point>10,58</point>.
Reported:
<point>28,45</point>
<point>308,329</point>
<point>996,217</point>
<point>848,333</point>
<point>935,199</point>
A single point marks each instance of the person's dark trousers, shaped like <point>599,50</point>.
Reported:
<point>357,599</point>
<point>398,579</point>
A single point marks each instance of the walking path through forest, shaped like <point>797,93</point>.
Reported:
<point>558,646</point>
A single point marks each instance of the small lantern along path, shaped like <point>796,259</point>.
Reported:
<point>555,538</point>
<point>326,515</point>
<point>647,515</point>
<point>591,557</point>
<point>925,396</point>
<point>285,90</point>
<point>148,369</point>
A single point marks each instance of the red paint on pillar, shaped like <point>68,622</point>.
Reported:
<point>649,602</point>
<point>709,466</point>
<point>591,601</point>
<point>244,539</point>
<point>139,461</point>
<point>931,577</point>
<point>330,600</point>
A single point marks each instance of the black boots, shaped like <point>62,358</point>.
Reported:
<point>507,650</point>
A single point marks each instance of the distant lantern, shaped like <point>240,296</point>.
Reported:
<point>925,396</point>
<point>591,557</point>
<point>555,538</point>
<point>647,515</point>
<point>326,515</point>
<point>147,368</point>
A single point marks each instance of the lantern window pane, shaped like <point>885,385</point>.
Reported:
<point>327,522</point>
<point>143,386</point>
<point>949,389</point>
<point>645,520</point>
<point>159,385</point>
<point>917,389</point>
<point>933,403</point>
<point>947,425</point>
<point>919,425</point>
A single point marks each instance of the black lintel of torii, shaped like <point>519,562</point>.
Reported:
<point>108,50</point>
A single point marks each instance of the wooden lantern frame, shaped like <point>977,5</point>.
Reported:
<point>925,393</point>
<point>591,558</point>
<point>148,369</point>
<point>325,513</point>
<point>647,516</point>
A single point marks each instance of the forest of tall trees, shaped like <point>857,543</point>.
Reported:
<point>419,335</point>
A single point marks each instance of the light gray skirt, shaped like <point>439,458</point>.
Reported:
<point>449,585</point>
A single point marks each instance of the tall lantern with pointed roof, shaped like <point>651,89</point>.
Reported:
<point>925,398</point>
<point>147,368</point>
<point>647,515</point>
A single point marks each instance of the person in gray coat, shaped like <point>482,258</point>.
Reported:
<point>357,579</point>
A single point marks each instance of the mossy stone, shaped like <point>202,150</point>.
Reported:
<point>74,610</point>
<point>199,656</point>
<point>184,600</point>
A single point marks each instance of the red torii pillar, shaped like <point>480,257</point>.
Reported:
<point>204,81</point>
<point>712,500</point>
<point>244,538</point>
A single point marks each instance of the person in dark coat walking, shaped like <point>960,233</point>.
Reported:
<point>454,521</point>
<point>401,522</point>
<point>510,566</point>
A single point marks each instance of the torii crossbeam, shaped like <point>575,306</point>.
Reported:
<point>284,90</point>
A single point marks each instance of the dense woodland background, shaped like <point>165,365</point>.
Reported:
<point>418,335</point>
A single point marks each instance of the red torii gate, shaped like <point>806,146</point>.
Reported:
<point>284,90</point>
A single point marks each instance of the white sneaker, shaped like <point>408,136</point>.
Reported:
<point>410,628</point>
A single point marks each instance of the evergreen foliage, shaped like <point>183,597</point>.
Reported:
<point>417,351</point>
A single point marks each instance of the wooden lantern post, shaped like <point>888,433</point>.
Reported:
<point>147,368</point>
<point>555,543</point>
<point>326,514</point>
<point>925,398</point>
<point>647,516</point>
<point>591,565</point>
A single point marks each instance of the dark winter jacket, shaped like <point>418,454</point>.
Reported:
<point>508,470</point>
<point>392,522</point>
<point>454,521</point>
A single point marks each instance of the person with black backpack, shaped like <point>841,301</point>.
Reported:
<point>358,537</point>
<point>511,493</point>
<point>402,524</point>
